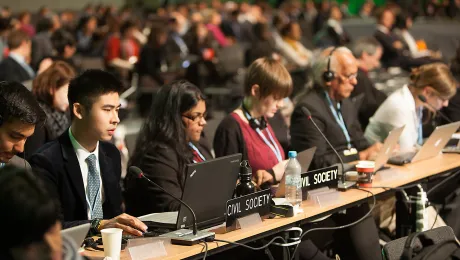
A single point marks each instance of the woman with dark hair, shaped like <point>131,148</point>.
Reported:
<point>263,45</point>
<point>65,46</point>
<point>167,142</point>
<point>86,29</point>
<point>24,20</point>
<point>50,88</point>
<point>32,222</point>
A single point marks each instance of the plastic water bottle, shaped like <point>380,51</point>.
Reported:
<point>293,184</point>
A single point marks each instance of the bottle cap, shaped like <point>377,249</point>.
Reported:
<point>292,154</point>
<point>245,168</point>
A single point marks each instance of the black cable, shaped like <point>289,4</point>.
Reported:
<point>343,226</point>
<point>442,182</point>
<point>435,218</point>
<point>249,247</point>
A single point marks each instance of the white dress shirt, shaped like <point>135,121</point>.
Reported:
<point>396,111</point>
<point>412,44</point>
<point>82,154</point>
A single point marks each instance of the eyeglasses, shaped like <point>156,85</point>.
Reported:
<point>350,77</point>
<point>197,117</point>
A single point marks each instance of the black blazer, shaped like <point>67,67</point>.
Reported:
<point>304,135</point>
<point>56,163</point>
<point>161,165</point>
<point>371,100</point>
<point>10,70</point>
<point>391,56</point>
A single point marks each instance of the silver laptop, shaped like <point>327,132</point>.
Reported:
<point>305,158</point>
<point>77,234</point>
<point>388,147</point>
<point>431,148</point>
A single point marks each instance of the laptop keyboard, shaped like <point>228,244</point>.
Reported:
<point>451,149</point>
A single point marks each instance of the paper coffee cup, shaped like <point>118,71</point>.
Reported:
<point>365,171</point>
<point>111,238</point>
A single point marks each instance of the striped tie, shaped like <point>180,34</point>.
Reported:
<point>93,188</point>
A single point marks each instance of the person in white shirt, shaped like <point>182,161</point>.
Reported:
<point>293,50</point>
<point>404,107</point>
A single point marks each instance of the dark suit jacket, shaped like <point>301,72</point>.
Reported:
<point>19,162</point>
<point>304,135</point>
<point>371,100</point>
<point>391,56</point>
<point>56,163</point>
<point>161,165</point>
<point>10,70</point>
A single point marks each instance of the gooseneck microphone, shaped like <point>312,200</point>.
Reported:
<point>423,99</point>
<point>345,185</point>
<point>183,237</point>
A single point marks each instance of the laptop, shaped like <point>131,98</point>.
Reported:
<point>305,158</point>
<point>431,148</point>
<point>388,147</point>
<point>208,187</point>
<point>77,234</point>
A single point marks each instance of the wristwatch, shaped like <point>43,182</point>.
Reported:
<point>95,225</point>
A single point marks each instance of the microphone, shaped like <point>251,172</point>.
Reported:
<point>345,185</point>
<point>423,99</point>
<point>182,238</point>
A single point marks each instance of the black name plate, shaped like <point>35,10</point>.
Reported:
<point>258,202</point>
<point>328,176</point>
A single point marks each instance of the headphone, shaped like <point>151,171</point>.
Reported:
<point>329,75</point>
<point>253,122</point>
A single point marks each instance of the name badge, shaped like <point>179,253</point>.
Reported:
<point>258,202</point>
<point>351,151</point>
<point>328,176</point>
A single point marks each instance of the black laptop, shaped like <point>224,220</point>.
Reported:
<point>208,187</point>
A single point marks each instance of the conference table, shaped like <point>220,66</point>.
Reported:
<point>396,176</point>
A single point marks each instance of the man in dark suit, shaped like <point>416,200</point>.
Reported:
<point>336,117</point>
<point>367,98</point>
<point>19,115</point>
<point>16,67</point>
<point>81,168</point>
<point>332,111</point>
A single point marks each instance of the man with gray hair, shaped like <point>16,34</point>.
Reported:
<point>368,52</point>
<point>335,74</point>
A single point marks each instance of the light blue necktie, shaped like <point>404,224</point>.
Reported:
<point>93,188</point>
<point>420,127</point>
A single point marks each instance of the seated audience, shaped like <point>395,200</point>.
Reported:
<point>402,26</point>
<point>435,82</point>
<point>65,47</point>
<point>5,28</point>
<point>213,20</point>
<point>24,20</point>
<point>41,43</point>
<point>335,76</point>
<point>20,114</point>
<point>176,43</point>
<point>293,50</point>
<point>33,220</point>
<point>393,48</point>
<point>333,33</point>
<point>16,67</point>
<point>86,30</point>
<point>169,140</point>
<point>333,112</point>
<point>121,48</point>
<point>262,46</point>
<point>81,168</point>
<point>153,58</point>
<point>51,88</point>
<point>368,52</point>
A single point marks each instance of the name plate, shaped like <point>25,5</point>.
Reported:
<point>258,202</point>
<point>325,177</point>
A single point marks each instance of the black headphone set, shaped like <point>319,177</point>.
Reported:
<point>329,75</point>
<point>253,122</point>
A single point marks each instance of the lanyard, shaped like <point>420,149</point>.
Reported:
<point>271,144</point>
<point>338,117</point>
<point>420,126</point>
<point>197,151</point>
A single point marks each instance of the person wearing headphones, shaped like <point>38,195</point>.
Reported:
<point>335,74</point>
<point>20,114</point>
<point>404,107</point>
